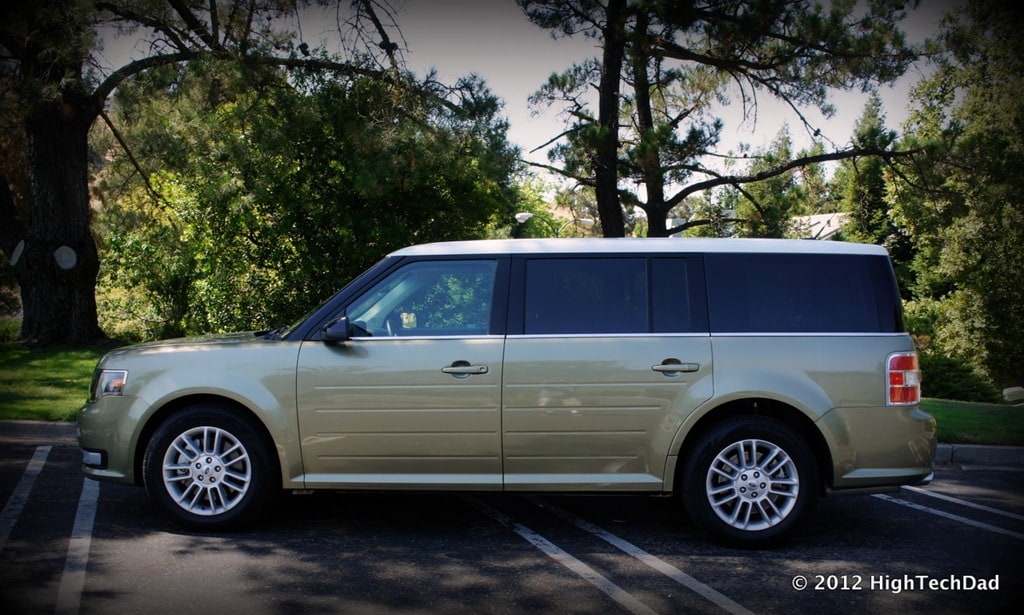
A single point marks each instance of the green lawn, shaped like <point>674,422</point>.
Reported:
<point>52,384</point>
<point>973,423</point>
<point>44,384</point>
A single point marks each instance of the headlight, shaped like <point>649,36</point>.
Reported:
<point>108,382</point>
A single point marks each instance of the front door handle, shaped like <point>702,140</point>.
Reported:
<point>673,367</point>
<point>462,369</point>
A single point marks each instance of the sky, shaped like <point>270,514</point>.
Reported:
<point>494,40</point>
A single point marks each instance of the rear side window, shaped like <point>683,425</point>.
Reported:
<point>586,295</point>
<point>613,295</point>
<point>802,293</point>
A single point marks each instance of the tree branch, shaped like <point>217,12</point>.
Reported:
<point>116,78</point>
<point>736,180</point>
<point>385,41</point>
<point>160,201</point>
<point>196,26</point>
<point>695,223</point>
<point>583,181</point>
<point>126,14</point>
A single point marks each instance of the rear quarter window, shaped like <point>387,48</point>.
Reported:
<point>802,293</point>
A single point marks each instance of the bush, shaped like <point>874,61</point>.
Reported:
<point>946,378</point>
<point>9,329</point>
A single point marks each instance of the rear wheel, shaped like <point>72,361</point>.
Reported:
<point>209,468</point>
<point>750,480</point>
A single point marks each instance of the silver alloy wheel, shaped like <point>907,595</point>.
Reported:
<point>752,485</point>
<point>206,471</point>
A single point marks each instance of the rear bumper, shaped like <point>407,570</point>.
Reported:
<point>879,447</point>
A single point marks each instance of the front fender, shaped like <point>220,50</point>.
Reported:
<point>256,376</point>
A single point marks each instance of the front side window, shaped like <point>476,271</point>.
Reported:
<point>428,298</point>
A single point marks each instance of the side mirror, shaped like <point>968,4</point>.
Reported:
<point>336,331</point>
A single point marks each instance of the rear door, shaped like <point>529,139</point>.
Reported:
<point>605,358</point>
<point>412,400</point>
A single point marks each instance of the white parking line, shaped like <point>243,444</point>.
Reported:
<point>959,502</point>
<point>670,571</point>
<point>72,582</point>
<point>941,513</point>
<point>616,593</point>
<point>16,503</point>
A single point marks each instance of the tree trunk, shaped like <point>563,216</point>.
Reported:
<point>55,258</point>
<point>57,262</point>
<point>650,161</point>
<point>606,168</point>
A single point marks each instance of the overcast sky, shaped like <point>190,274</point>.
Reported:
<point>495,40</point>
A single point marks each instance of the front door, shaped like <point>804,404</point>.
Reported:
<point>413,398</point>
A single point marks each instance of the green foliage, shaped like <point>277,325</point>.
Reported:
<point>273,197</point>
<point>9,328</point>
<point>767,206</point>
<point>864,180</point>
<point>952,369</point>
<point>962,201</point>
<point>863,183</point>
<point>947,378</point>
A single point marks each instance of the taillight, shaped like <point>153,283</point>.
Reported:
<point>903,379</point>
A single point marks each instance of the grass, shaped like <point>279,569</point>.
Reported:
<point>975,423</point>
<point>52,384</point>
<point>44,384</point>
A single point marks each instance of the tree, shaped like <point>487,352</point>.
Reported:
<point>272,194</point>
<point>961,199</point>
<point>45,48</point>
<point>56,262</point>
<point>681,60</point>
<point>863,185</point>
<point>767,206</point>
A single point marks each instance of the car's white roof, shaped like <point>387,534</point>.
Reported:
<point>636,245</point>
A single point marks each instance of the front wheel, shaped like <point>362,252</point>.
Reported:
<point>208,468</point>
<point>750,480</point>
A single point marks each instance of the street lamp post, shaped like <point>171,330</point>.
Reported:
<point>523,216</point>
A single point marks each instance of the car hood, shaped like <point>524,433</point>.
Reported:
<point>246,337</point>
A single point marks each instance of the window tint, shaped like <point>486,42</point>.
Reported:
<point>794,293</point>
<point>429,298</point>
<point>586,295</point>
<point>678,295</point>
<point>614,295</point>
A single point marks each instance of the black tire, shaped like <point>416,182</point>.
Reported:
<point>209,468</point>
<point>750,480</point>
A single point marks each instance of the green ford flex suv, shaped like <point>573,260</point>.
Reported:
<point>749,377</point>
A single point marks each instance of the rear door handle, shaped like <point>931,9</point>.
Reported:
<point>671,367</point>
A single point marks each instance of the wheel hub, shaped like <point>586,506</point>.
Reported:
<point>207,471</point>
<point>752,485</point>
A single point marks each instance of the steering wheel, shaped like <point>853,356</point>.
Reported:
<point>391,324</point>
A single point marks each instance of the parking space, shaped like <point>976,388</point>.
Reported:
<point>71,545</point>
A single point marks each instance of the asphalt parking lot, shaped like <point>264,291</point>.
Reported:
<point>73,545</point>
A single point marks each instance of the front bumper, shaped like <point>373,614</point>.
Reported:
<point>106,439</point>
